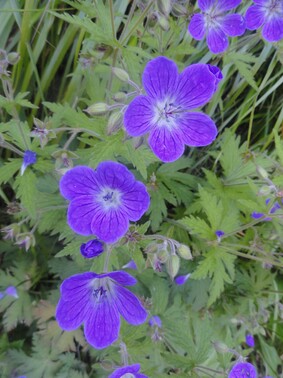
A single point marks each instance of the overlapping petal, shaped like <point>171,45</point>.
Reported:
<point>166,143</point>
<point>73,287</point>
<point>197,26</point>
<point>136,201</point>
<point>233,25</point>
<point>198,129</point>
<point>138,116</point>
<point>70,315</point>
<point>80,214</point>
<point>109,225</point>
<point>114,175</point>
<point>205,5</point>
<point>272,30</point>
<point>78,181</point>
<point>129,306</point>
<point>255,17</point>
<point>196,86</point>
<point>160,77</point>
<point>217,40</point>
<point>103,325</point>
<point>123,278</point>
<point>226,5</point>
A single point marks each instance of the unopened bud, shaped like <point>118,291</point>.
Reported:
<point>184,252</point>
<point>13,58</point>
<point>262,172</point>
<point>163,23</point>
<point>96,109</point>
<point>264,190</point>
<point>152,19</point>
<point>220,347</point>
<point>25,240</point>
<point>179,10</point>
<point>164,6</point>
<point>120,97</point>
<point>163,256</point>
<point>121,74</point>
<point>114,122</point>
<point>173,265</point>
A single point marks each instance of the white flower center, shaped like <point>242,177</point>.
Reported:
<point>274,8</point>
<point>109,198</point>
<point>128,375</point>
<point>100,289</point>
<point>166,112</point>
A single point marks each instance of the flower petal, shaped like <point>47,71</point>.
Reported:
<point>233,25</point>
<point>225,5</point>
<point>160,77</point>
<point>74,287</point>
<point>70,315</point>
<point>114,175</point>
<point>136,201</point>
<point>131,369</point>
<point>196,86</point>
<point>129,306</point>
<point>81,213</point>
<point>197,26</point>
<point>198,129</point>
<point>216,40</point>
<point>123,278</point>
<point>138,116</point>
<point>78,181</point>
<point>109,225</point>
<point>103,325</point>
<point>255,17</point>
<point>166,143</point>
<point>205,5</point>
<point>272,30</point>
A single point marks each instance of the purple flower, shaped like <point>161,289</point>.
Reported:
<point>12,291</point>
<point>103,201</point>
<point>29,158</point>
<point>92,248</point>
<point>165,112</point>
<point>97,301</point>
<point>155,321</point>
<point>243,370</point>
<point>216,24</point>
<point>131,371</point>
<point>250,341</point>
<point>1,295</point>
<point>219,234</point>
<point>269,14</point>
<point>275,207</point>
<point>181,280</point>
<point>130,265</point>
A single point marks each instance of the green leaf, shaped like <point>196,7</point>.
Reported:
<point>8,170</point>
<point>27,192</point>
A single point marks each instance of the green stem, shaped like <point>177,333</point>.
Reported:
<point>107,257</point>
<point>112,18</point>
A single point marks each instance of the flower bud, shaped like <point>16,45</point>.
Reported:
<point>184,252</point>
<point>179,10</point>
<point>11,291</point>
<point>25,240</point>
<point>121,74</point>
<point>163,23</point>
<point>220,347</point>
<point>265,190</point>
<point>173,265</point>
<point>114,122</point>
<point>262,172</point>
<point>120,97</point>
<point>92,248</point>
<point>13,58</point>
<point>163,256</point>
<point>97,109</point>
<point>181,280</point>
<point>164,6</point>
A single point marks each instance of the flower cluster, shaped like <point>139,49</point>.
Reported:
<point>166,111</point>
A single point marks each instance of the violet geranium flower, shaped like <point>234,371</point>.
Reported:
<point>257,215</point>
<point>267,14</point>
<point>216,24</point>
<point>29,159</point>
<point>250,341</point>
<point>97,301</point>
<point>103,201</point>
<point>243,370</point>
<point>165,112</point>
<point>131,371</point>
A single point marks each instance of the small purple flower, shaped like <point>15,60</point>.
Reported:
<point>155,321</point>
<point>92,248</point>
<point>103,201</point>
<point>269,14</point>
<point>130,371</point>
<point>1,295</point>
<point>250,341</point>
<point>243,370</point>
<point>97,301</point>
<point>276,206</point>
<point>130,265</point>
<point>219,234</point>
<point>12,291</point>
<point>216,24</point>
<point>181,280</point>
<point>165,112</point>
<point>29,158</point>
